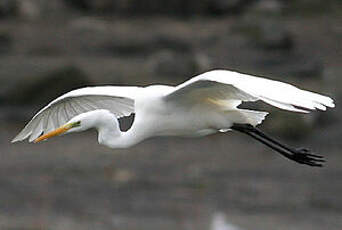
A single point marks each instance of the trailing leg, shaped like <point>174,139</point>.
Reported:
<point>300,155</point>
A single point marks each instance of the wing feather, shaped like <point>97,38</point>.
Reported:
<point>118,100</point>
<point>36,131</point>
<point>71,110</point>
<point>50,125</point>
<point>65,114</point>
<point>228,87</point>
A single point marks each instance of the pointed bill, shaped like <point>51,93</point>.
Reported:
<point>57,132</point>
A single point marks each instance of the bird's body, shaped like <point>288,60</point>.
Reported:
<point>203,105</point>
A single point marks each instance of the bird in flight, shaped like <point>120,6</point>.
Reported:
<point>204,105</point>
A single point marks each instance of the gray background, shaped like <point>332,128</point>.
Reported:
<point>70,182</point>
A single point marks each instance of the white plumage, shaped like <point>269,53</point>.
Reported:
<point>200,106</point>
<point>117,100</point>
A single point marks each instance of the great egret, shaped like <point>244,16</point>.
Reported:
<point>203,105</point>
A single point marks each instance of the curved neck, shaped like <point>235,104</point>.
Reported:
<point>114,138</point>
<point>108,129</point>
<point>109,132</point>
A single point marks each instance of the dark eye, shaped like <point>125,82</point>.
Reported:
<point>76,124</point>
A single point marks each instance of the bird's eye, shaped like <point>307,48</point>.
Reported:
<point>75,124</point>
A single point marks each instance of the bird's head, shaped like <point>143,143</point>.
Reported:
<point>93,119</point>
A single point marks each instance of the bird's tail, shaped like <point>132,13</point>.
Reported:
<point>245,116</point>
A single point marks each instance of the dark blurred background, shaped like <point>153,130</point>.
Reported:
<point>220,182</point>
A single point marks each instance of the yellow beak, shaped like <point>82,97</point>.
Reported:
<point>56,132</point>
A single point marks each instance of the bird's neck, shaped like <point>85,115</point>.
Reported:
<point>109,133</point>
<point>114,138</point>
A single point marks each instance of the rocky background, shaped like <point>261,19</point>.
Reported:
<point>50,47</point>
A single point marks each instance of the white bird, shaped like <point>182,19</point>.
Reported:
<point>203,105</point>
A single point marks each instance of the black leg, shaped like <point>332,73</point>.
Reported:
<point>300,155</point>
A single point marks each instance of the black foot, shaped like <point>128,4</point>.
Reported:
<point>300,155</point>
<point>304,156</point>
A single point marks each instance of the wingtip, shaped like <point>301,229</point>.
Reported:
<point>329,102</point>
<point>14,140</point>
<point>17,139</point>
<point>332,104</point>
<point>20,137</point>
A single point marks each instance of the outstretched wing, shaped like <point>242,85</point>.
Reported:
<point>118,100</point>
<point>229,89</point>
